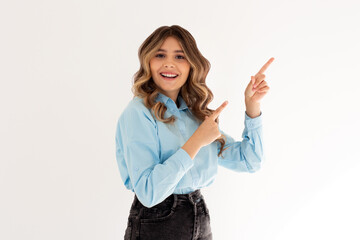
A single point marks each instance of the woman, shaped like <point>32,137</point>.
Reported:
<point>168,143</point>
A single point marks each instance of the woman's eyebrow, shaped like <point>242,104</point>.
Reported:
<point>162,50</point>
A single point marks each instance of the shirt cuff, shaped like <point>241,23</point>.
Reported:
<point>252,123</point>
<point>185,159</point>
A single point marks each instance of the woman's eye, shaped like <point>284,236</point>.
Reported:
<point>162,55</point>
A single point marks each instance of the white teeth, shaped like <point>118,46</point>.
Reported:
<point>168,75</point>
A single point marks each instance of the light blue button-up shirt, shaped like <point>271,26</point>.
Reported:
<point>152,163</point>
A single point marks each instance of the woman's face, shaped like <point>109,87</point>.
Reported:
<point>170,60</point>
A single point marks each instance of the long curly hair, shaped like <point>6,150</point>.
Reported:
<point>194,92</point>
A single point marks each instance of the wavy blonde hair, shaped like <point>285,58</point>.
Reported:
<point>194,92</point>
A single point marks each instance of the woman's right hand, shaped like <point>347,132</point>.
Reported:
<point>208,131</point>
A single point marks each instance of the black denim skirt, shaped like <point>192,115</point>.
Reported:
<point>179,216</point>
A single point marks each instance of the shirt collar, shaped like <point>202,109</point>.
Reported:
<point>170,103</point>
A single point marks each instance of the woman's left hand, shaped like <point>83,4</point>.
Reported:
<point>258,87</point>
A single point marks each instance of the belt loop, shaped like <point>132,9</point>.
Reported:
<point>175,202</point>
<point>195,196</point>
<point>191,198</point>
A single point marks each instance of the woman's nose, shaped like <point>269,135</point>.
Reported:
<point>169,64</point>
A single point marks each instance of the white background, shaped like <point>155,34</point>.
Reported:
<point>66,73</point>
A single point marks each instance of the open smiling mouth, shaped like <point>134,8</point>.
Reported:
<point>169,76</point>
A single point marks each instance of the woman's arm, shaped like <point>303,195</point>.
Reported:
<point>138,157</point>
<point>246,155</point>
<point>252,109</point>
<point>192,146</point>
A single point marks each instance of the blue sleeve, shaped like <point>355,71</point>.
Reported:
<point>246,155</point>
<point>152,180</point>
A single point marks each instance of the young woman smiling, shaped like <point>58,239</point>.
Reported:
<point>161,131</point>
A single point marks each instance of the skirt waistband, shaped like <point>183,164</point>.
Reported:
<point>194,197</point>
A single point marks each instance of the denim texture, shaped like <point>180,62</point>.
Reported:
<point>178,217</point>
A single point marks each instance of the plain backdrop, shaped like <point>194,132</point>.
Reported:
<point>66,71</point>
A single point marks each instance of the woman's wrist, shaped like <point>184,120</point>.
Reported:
<point>192,146</point>
<point>252,108</point>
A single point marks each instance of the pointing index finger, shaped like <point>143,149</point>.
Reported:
<point>217,112</point>
<point>266,65</point>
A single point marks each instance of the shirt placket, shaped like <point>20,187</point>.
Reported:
<point>182,128</point>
